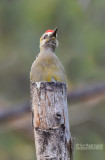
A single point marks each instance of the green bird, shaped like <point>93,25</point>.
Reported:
<point>47,66</point>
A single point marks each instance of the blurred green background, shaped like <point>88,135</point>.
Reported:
<point>81,35</point>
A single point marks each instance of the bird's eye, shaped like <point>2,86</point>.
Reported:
<point>45,36</point>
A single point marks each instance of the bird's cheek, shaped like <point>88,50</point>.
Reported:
<point>53,38</point>
<point>47,39</point>
<point>42,43</point>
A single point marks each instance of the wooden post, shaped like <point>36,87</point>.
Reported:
<point>50,121</point>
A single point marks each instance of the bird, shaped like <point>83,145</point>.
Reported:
<point>47,66</point>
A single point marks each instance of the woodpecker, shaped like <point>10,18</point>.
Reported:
<point>47,66</point>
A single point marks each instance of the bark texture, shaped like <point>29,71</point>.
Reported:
<point>50,121</point>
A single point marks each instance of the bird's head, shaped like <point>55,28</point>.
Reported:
<point>49,39</point>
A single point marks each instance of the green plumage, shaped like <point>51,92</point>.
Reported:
<point>47,67</point>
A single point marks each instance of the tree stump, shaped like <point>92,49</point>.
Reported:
<point>50,121</point>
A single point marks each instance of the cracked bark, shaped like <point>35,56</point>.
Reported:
<point>53,140</point>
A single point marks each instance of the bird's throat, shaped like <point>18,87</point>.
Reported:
<point>48,48</point>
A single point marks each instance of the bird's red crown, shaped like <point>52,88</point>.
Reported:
<point>49,31</point>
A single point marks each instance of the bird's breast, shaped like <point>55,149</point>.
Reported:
<point>47,67</point>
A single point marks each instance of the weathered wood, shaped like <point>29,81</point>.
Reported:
<point>50,121</point>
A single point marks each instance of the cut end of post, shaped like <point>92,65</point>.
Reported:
<point>45,85</point>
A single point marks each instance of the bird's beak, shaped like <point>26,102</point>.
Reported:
<point>54,32</point>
